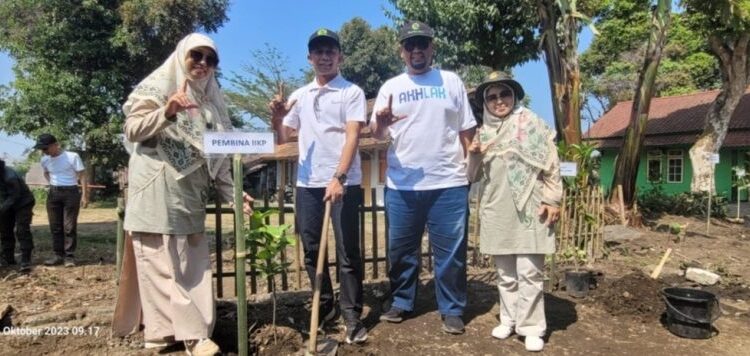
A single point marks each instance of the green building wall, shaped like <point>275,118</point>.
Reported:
<point>723,180</point>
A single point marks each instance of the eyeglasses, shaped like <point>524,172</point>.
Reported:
<point>420,43</point>
<point>495,97</point>
<point>198,56</point>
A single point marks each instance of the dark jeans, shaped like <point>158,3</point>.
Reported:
<point>310,209</point>
<point>16,224</point>
<point>63,204</point>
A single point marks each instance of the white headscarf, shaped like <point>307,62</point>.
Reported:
<point>181,144</point>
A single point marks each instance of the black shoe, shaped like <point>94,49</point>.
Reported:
<point>453,324</point>
<point>5,262</point>
<point>329,315</point>
<point>70,262</point>
<point>355,331</point>
<point>25,267</point>
<point>394,315</point>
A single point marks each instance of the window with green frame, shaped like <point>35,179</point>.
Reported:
<point>654,166</point>
<point>675,166</point>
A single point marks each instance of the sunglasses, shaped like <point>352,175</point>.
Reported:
<point>211,59</point>
<point>495,97</point>
<point>418,42</point>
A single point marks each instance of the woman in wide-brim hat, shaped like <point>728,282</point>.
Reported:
<point>519,203</point>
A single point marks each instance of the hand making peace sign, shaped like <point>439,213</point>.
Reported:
<point>179,102</point>
<point>278,105</point>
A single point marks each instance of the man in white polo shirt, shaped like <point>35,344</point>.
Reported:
<point>426,113</point>
<point>63,169</point>
<point>328,114</point>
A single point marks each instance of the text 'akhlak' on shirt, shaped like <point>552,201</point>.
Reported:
<point>422,93</point>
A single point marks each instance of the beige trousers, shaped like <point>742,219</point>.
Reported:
<point>174,285</point>
<point>520,281</point>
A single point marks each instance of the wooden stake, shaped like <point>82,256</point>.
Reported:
<point>657,271</point>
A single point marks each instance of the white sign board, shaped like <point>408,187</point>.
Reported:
<point>568,169</point>
<point>715,158</point>
<point>238,142</point>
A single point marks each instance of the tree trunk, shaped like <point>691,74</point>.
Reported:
<point>563,70</point>
<point>732,55</point>
<point>626,168</point>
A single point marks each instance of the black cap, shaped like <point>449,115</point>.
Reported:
<point>498,77</point>
<point>44,141</point>
<point>415,29</point>
<point>323,34</point>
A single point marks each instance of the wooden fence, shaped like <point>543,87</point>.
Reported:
<point>580,231</point>
<point>373,237</point>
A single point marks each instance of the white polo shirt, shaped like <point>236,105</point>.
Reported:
<point>63,169</point>
<point>426,151</point>
<point>320,117</point>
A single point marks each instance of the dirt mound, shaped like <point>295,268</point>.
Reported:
<point>634,294</point>
<point>286,341</point>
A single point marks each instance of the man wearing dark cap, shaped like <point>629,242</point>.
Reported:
<point>16,205</point>
<point>427,115</point>
<point>328,115</point>
<point>63,170</point>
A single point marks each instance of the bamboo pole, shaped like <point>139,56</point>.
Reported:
<point>240,253</point>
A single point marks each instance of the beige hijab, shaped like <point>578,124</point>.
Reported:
<point>181,144</point>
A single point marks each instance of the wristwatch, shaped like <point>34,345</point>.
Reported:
<point>341,177</point>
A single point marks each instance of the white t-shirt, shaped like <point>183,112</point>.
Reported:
<point>320,117</point>
<point>426,151</point>
<point>63,169</point>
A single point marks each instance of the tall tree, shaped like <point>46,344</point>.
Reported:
<point>259,80</point>
<point>626,167</point>
<point>369,58</point>
<point>726,24</point>
<point>75,62</point>
<point>491,35</point>
<point>611,65</point>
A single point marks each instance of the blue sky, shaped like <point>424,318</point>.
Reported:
<point>286,25</point>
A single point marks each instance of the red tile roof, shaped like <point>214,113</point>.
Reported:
<point>672,120</point>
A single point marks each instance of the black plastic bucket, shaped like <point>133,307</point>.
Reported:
<point>690,312</point>
<point>577,283</point>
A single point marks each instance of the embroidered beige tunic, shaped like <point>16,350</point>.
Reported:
<point>505,227</point>
<point>159,200</point>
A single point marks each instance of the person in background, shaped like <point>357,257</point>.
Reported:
<point>63,170</point>
<point>519,203</point>
<point>16,210</point>
<point>165,282</point>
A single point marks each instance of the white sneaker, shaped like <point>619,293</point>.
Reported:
<point>159,343</point>
<point>502,332</point>
<point>534,343</point>
<point>202,347</point>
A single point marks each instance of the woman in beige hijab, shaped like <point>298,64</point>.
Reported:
<point>519,200</point>
<point>166,280</point>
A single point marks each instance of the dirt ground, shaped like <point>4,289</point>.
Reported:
<point>71,307</point>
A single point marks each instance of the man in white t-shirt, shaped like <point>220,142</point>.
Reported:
<point>427,115</point>
<point>328,114</point>
<point>63,169</point>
